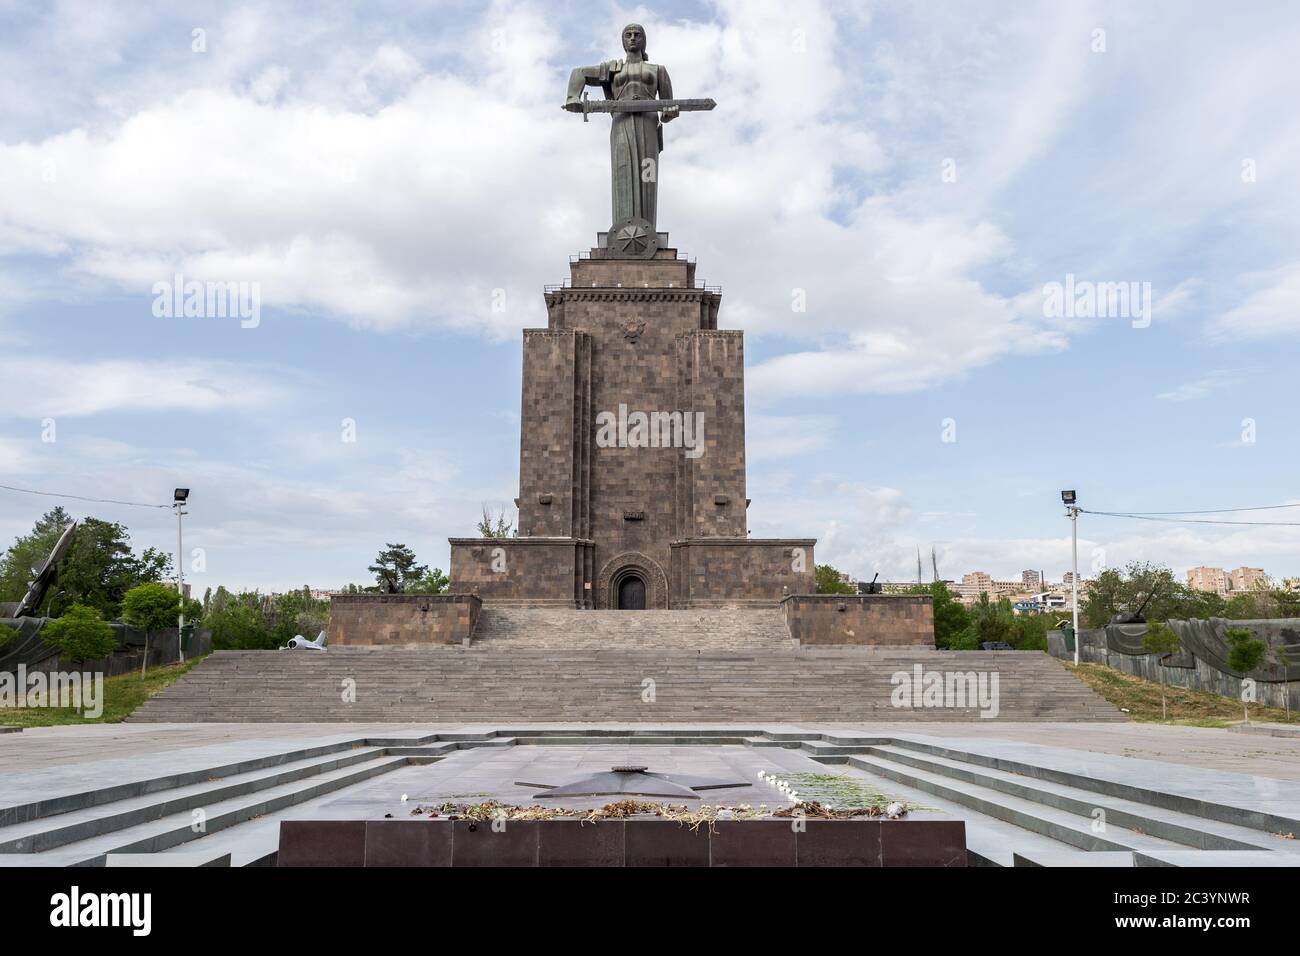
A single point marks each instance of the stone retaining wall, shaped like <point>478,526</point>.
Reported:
<point>637,842</point>
<point>877,620</point>
<point>1199,663</point>
<point>388,619</point>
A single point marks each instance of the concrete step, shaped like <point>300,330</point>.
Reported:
<point>180,828</point>
<point>501,682</point>
<point>1054,857</point>
<point>152,860</point>
<point>1179,828</point>
<point>571,629</point>
<point>65,803</point>
<point>1255,821</point>
<point>1062,826</point>
<point>49,832</point>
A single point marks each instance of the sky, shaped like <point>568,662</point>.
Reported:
<point>886,193</point>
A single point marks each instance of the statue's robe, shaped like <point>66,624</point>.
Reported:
<point>635,139</point>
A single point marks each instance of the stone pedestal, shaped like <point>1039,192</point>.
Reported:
<point>632,452</point>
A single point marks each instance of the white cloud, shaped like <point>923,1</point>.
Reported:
<point>1203,386</point>
<point>776,437</point>
<point>42,387</point>
<point>419,192</point>
<point>1273,309</point>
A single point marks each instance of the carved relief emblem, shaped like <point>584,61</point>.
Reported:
<point>632,330</point>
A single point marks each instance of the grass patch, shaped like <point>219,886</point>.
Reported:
<point>1190,708</point>
<point>122,695</point>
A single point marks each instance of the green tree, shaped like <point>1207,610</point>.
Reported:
<point>293,613</point>
<point>80,635</point>
<point>1245,653</point>
<point>494,526</point>
<point>238,623</point>
<point>431,582</point>
<point>1285,657</point>
<point>98,568</point>
<point>7,636</point>
<point>28,552</point>
<point>1161,641</point>
<point>1115,590</point>
<point>1266,600</point>
<point>395,567</point>
<point>150,607</point>
<point>831,581</point>
<point>989,621</point>
<point>1029,632</point>
<point>951,620</point>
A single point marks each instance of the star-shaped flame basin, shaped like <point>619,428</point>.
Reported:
<point>632,782</point>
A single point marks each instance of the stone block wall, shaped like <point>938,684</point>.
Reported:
<point>631,337</point>
<point>523,571</point>
<point>389,619</point>
<point>713,572</point>
<point>555,440</point>
<point>711,487</point>
<point>874,620</point>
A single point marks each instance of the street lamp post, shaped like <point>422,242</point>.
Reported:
<point>179,497</point>
<point>1072,510</point>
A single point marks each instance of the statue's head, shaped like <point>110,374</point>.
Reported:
<point>634,39</point>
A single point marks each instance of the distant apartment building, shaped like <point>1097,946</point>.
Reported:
<point>1052,601</point>
<point>1211,580</point>
<point>1247,579</point>
<point>976,583</point>
<point>1032,580</point>
<point>1221,582</point>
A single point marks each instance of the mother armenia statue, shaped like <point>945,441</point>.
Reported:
<point>639,94</point>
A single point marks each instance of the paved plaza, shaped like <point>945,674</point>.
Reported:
<point>1213,749</point>
<point>1028,794</point>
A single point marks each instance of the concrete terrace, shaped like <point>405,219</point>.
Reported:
<point>1170,795</point>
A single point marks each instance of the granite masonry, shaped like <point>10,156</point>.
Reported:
<point>632,454</point>
<point>632,478</point>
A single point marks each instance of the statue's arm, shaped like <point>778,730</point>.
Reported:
<point>666,93</point>
<point>599,75</point>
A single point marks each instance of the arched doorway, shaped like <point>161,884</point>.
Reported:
<point>631,593</point>
<point>631,564</point>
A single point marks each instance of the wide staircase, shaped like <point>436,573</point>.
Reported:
<point>556,665</point>
<point>708,629</point>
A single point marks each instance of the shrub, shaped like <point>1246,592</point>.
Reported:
<point>80,635</point>
<point>149,608</point>
<point>1245,653</point>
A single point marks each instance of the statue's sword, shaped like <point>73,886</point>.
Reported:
<point>639,106</point>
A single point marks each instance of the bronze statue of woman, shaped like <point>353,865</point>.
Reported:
<point>635,139</point>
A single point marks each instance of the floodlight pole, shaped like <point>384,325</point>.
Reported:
<point>1074,576</point>
<point>180,581</point>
